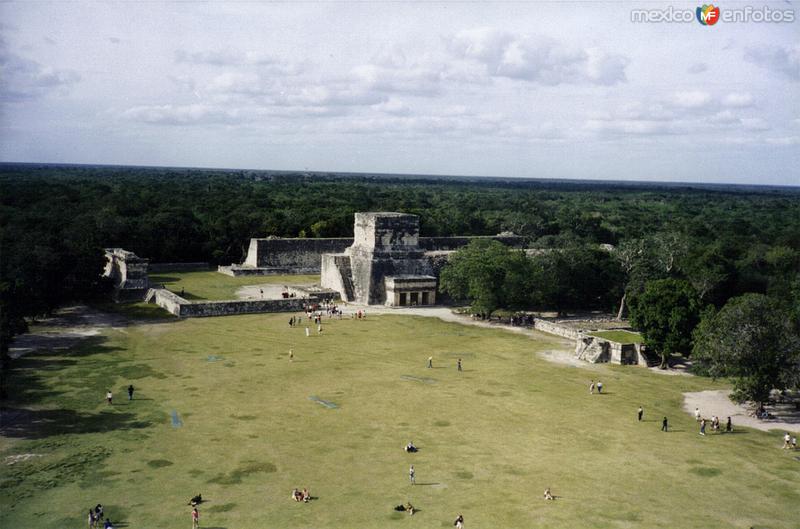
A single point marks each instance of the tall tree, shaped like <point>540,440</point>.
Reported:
<point>666,313</point>
<point>752,341</point>
<point>489,275</point>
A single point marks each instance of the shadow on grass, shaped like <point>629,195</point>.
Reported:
<point>38,424</point>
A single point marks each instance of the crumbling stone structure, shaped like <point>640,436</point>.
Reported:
<point>385,256</point>
<point>129,274</point>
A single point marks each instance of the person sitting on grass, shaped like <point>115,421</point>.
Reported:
<point>306,495</point>
<point>196,500</point>
<point>547,494</point>
<point>409,508</point>
<point>410,447</point>
<point>296,495</point>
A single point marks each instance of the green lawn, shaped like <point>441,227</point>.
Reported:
<point>619,336</point>
<point>491,438</point>
<point>210,285</point>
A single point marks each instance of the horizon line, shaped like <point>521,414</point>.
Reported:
<point>311,172</point>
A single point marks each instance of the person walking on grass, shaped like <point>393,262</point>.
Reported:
<point>459,523</point>
<point>130,392</point>
<point>430,362</point>
<point>91,519</point>
<point>591,388</point>
<point>702,427</point>
<point>664,425</point>
<point>729,426</point>
<point>109,396</point>
<point>459,365</point>
<point>640,412</point>
<point>291,355</point>
<point>412,475</point>
<point>697,414</point>
<point>195,518</point>
<point>599,387</point>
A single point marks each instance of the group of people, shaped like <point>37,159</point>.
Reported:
<point>298,495</point>
<point>789,442</point>
<point>593,385</point>
<point>95,518</point>
<point>715,427</point>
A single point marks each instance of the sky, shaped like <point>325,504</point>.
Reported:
<point>514,89</point>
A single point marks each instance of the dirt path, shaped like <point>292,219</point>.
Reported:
<point>716,402</point>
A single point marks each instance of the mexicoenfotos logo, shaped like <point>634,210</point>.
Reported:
<point>708,15</point>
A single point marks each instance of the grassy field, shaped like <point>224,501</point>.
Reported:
<point>619,336</point>
<point>211,285</point>
<point>220,410</point>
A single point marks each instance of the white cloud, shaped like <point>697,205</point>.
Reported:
<point>183,114</point>
<point>691,99</point>
<point>537,59</point>
<point>738,100</point>
<point>393,106</point>
<point>755,124</point>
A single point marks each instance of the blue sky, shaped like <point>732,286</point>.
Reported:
<point>547,90</point>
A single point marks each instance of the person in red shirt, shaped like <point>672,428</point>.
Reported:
<point>195,518</point>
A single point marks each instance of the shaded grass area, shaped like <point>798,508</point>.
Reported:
<point>136,311</point>
<point>211,285</point>
<point>491,438</point>
<point>619,336</point>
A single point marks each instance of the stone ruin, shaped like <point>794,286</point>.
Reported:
<point>384,265</point>
<point>128,273</point>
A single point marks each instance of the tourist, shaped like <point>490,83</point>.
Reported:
<point>412,475</point>
<point>291,355</point>
<point>308,332</point>
<point>91,519</point>
<point>130,392</point>
<point>296,494</point>
<point>459,365</point>
<point>430,362</point>
<point>108,524</point>
<point>319,328</point>
<point>291,321</point>
<point>410,447</point>
<point>794,443</point>
<point>98,512</point>
<point>459,523</point>
<point>109,396</point>
<point>261,291</point>
<point>409,508</point>
<point>640,412</point>
<point>599,387</point>
<point>547,494</point>
<point>196,500</point>
<point>703,427</point>
<point>787,441</point>
<point>697,414</point>
<point>729,426</point>
<point>306,495</point>
<point>195,518</point>
<point>664,425</point>
<point>591,388</point>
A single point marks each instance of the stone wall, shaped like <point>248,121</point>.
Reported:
<point>303,256</point>
<point>551,327</point>
<point>184,308</point>
<point>299,255</point>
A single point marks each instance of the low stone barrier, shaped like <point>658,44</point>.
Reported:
<point>554,328</point>
<point>184,308</point>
